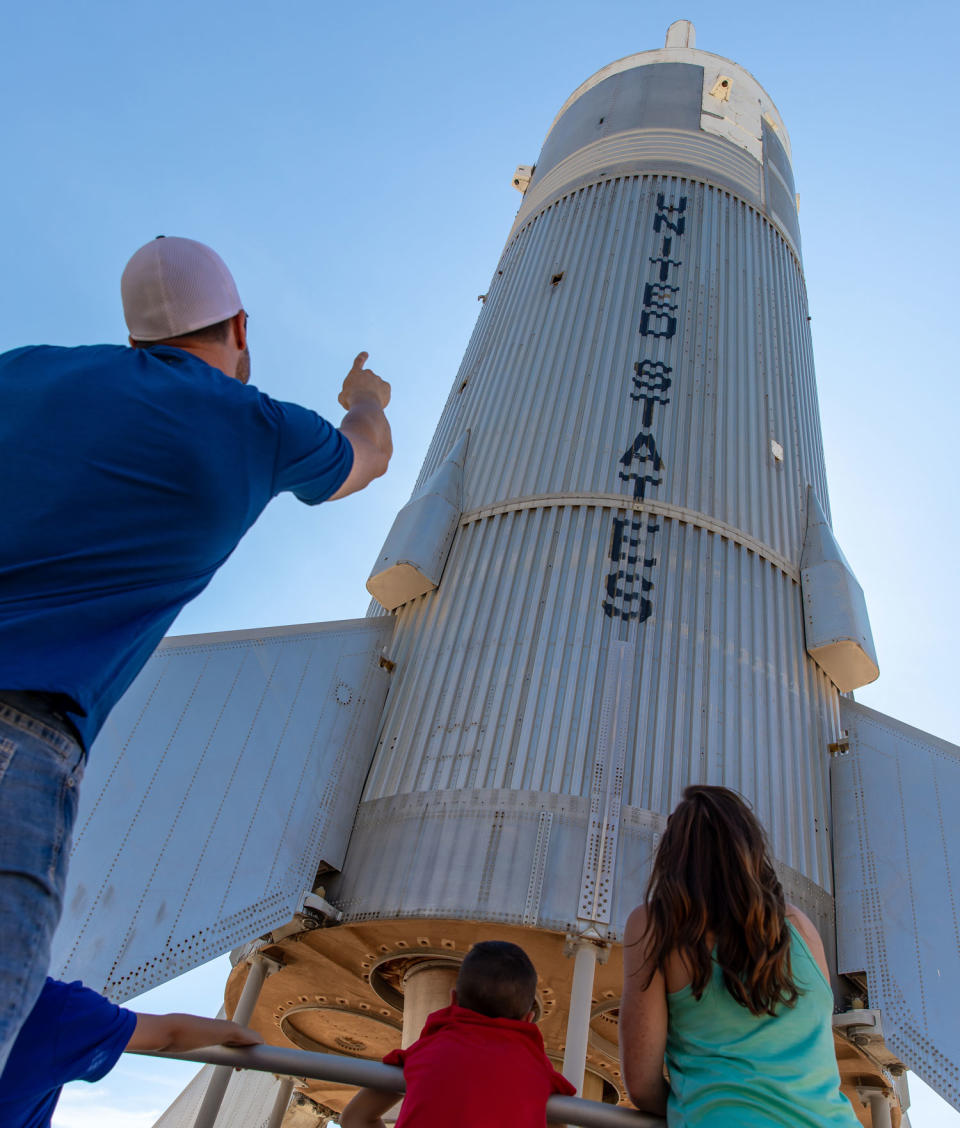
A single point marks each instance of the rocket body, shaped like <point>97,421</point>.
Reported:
<point>620,614</point>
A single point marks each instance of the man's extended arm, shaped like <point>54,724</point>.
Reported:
<point>365,395</point>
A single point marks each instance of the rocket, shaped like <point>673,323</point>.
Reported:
<point>616,576</point>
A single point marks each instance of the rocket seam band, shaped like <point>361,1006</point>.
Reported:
<point>523,218</point>
<point>639,146</point>
<point>660,508</point>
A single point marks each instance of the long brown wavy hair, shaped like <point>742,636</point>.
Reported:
<point>712,874</point>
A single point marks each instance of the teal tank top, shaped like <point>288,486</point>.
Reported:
<point>733,1069</point>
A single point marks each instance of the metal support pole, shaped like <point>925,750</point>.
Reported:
<point>426,988</point>
<point>578,1021</point>
<point>260,968</point>
<point>280,1104</point>
<point>878,1102</point>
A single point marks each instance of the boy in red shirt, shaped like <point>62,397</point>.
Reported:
<point>480,1062</point>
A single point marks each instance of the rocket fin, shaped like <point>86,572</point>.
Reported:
<point>896,792</point>
<point>228,773</point>
<point>836,624</point>
<point>413,556</point>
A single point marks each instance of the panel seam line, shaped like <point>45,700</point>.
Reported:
<point>661,509</point>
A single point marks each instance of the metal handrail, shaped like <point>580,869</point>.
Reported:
<point>389,1079</point>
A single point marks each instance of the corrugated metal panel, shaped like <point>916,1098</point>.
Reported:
<point>504,855</point>
<point>546,380</point>
<point>623,503</point>
<point>228,771</point>
<point>499,682</point>
<point>896,794</point>
<point>249,1100</point>
<point>474,854</point>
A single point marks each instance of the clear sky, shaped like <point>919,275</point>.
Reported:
<point>352,164</point>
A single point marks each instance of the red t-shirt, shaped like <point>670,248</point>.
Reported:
<point>476,1072</point>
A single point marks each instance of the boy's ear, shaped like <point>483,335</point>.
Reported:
<point>453,997</point>
<point>529,1016</point>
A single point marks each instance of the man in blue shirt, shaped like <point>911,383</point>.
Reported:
<point>74,1034</point>
<point>129,476</point>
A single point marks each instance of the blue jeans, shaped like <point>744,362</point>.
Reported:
<point>40,770</point>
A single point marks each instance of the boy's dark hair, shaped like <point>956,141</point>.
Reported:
<point>497,979</point>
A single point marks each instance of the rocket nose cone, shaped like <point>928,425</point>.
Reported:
<point>681,33</point>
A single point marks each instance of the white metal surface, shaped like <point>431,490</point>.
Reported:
<point>547,380</point>
<point>836,625</point>
<point>225,776</point>
<point>248,1103</point>
<point>412,559</point>
<point>606,792</point>
<point>640,397</point>
<point>500,708</point>
<point>713,65</point>
<point>896,794</point>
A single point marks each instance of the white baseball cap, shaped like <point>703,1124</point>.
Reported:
<point>172,286</point>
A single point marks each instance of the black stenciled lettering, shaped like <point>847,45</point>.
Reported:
<point>660,221</point>
<point>657,323</point>
<point>649,402</point>
<point>631,540</point>
<point>619,540</point>
<point>640,483</point>
<point>614,591</point>
<point>652,375</point>
<point>642,449</point>
<point>658,294</point>
<point>624,540</point>
<point>626,614</point>
<point>665,264</point>
<point>664,206</point>
<point>619,603</point>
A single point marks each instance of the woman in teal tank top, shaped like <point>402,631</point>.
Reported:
<point>726,984</point>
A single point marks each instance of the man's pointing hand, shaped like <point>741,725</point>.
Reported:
<point>362,383</point>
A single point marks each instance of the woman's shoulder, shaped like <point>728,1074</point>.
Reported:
<point>801,922</point>
<point>808,930</point>
<point>636,923</point>
<point>636,940</point>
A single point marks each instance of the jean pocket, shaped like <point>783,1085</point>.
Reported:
<point>62,829</point>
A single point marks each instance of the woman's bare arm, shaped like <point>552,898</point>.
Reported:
<point>643,1022</point>
<point>367,1108</point>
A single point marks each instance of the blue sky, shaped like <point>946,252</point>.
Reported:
<point>352,165</point>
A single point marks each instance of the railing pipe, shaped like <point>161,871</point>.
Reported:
<point>389,1079</point>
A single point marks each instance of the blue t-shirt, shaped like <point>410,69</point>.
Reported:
<point>72,1034</point>
<point>129,476</point>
